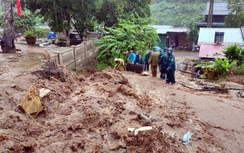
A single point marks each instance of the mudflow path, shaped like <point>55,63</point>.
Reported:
<point>93,114</point>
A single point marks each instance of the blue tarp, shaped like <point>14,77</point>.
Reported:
<point>51,35</point>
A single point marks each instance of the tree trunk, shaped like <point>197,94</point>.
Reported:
<point>8,27</point>
<point>68,31</point>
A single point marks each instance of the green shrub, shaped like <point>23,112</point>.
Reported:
<point>215,69</point>
<point>102,66</point>
<point>40,32</point>
<point>127,35</point>
<point>234,52</point>
<point>29,33</point>
<point>235,69</point>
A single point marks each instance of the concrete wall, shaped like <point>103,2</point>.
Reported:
<point>75,56</point>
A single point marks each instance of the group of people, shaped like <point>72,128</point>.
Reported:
<point>164,59</point>
<point>135,58</point>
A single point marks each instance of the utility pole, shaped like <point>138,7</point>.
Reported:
<point>7,42</point>
<point>210,13</point>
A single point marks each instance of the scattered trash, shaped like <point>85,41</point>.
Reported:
<point>240,93</point>
<point>141,116</point>
<point>43,92</point>
<point>13,86</point>
<point>31,103</point>
<point>144,73</point>
<point>163,131</point>
<point>145,128</point>
<point>131,129</point>
<point>186,138</point>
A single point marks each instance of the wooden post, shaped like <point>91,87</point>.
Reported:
<point>210,13</point>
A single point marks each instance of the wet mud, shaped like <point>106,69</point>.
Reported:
<point>93,114</point>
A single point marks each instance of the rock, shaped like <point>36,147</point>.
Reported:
<point>31,103</point>
<point>116,145</point>
<point>81,78</point>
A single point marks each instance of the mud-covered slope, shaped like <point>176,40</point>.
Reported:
<point>94,114</point>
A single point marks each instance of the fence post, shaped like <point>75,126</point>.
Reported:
<point>85,49</point>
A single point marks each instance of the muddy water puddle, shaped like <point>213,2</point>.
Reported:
<point>186,54</point>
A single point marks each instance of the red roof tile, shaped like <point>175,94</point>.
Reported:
<point>208,50</point>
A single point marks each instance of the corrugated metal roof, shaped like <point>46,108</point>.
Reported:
<point>219,8</point>
<point>231,35</point>
<point>164,29</point>
<point>161,29</point>
<point>178,29</point>
<point>209,50</point>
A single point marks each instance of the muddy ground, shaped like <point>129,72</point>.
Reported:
<point>92,113</point>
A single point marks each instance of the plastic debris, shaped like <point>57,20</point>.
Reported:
<point>145,128</point>
<point>131,129</point>
<point>43,92</point>
<point>144,73</point>
<point>186,138</point>
<point>141,116</point>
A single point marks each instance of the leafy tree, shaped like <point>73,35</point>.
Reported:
<point>122,9</point>
<point>82,14</point>
<point>192,34</point>
<point>64,14</point>
<point>178,12</point>
<point>21,22</point>
<point>235,18</point>
<point>133,34</point>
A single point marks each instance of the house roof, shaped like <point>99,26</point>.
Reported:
<point>231,35</point>
<point>219,8</point>
<point>211,51</point>
<point>206,41</point>
<point>161,29</point>
<point>178,29</point>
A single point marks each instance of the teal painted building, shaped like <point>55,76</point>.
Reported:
<point>171,36</point>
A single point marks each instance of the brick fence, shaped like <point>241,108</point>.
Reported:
<point>78,55</point>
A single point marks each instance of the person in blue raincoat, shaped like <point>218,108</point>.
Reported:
<point>146,58</point>
<point>163,63</point>
<point>132,57</point>
<point>170,70</point>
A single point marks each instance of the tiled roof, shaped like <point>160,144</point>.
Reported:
<point>219,8</point>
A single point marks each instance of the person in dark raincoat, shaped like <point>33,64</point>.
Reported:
<point>163,63</point>
<point>170,71</point>
<point>159,59</point>
<point>138,59</point>
<point>153,60</point>
<point>146,58</point>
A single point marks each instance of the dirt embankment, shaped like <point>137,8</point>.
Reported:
<point>93,114</point>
